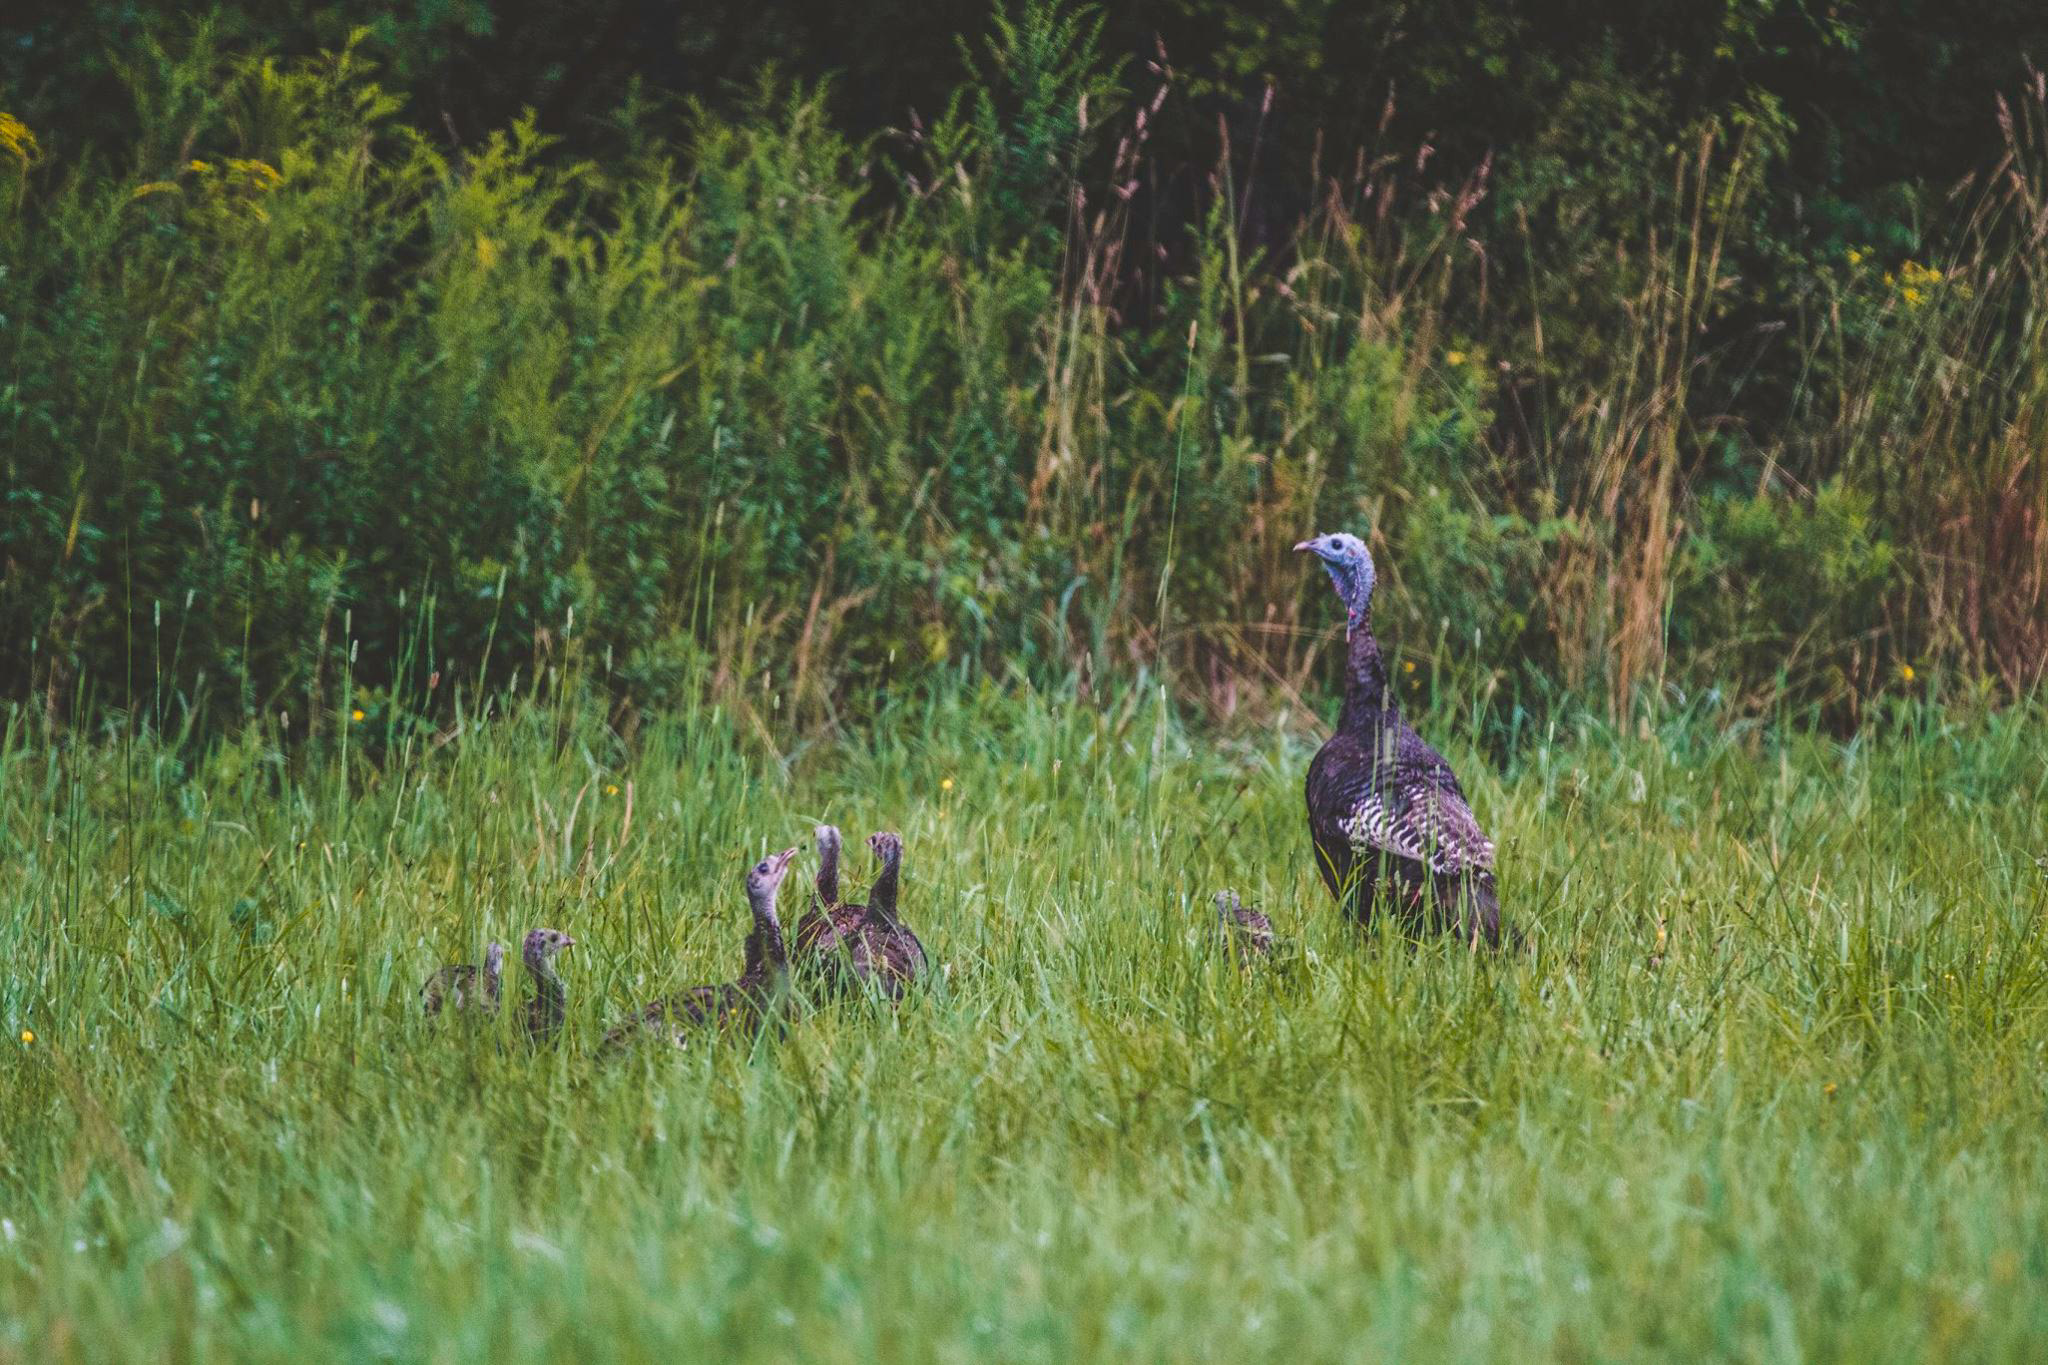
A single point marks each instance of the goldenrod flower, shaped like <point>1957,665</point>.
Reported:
<point>1905,672</point>
<point>356,715</point>
<point>258,175</point>
<point>197,167</point>
<point>1408,665</point>
<point>1910,295</point>
<point>143,191</point>
<point>28,1036</point>
<point>18,140</point>
<point>1454,357</point>
<point>611,789</point>
<point>1855,256</point>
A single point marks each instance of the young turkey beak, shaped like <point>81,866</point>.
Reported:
<point>567,943</point>
<point>1301,545</point>
<point>778,861</point>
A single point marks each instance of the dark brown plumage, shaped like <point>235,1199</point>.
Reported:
<point>548,1006</point>
<point>758,996</point>
<point>1248,933</point>
<point>462,986</point>
<point>883,949</point>
<point>824,932</point>
<point>1389,820</point>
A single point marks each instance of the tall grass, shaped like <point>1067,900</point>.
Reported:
<point>303,391</point>
<point>1759,1092</point>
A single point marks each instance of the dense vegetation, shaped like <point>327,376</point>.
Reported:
<point>1767,1089</point>
<point>1654,358</point>
<point>514,465</point>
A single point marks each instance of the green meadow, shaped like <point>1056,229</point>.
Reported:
<point>1765,1086</point>
<point>486,465</point>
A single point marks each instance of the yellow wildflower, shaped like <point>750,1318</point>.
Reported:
<point>18,140</point>
<point>1828,1090</point>
<point>356,715</point>
<point>28,1035</point>
<point>486,251</point>
<point>1855,256</point>
<point>259,175</point>
<point>1407,665</point>
<point>153,187</point>
<point>1454,357</point>
<point>945,784</point>
<point>198,167</point>
<point>1911,296</point>
<point>611,789</point>
<point>1905,672</point>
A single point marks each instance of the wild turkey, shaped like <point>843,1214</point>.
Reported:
<point>1382,804</point>
<point>1248,933</point>
<point>548,1005</point>
<point>745,1004</point>
<point>824,933</point>
<point>884,950</point>
<point>461,986</point>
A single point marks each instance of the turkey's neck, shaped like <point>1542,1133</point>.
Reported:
<point>766,957</point>
<point>882,898</point>
<point>550,996</point>
<point>1367,697</point>
<point>828,875</point>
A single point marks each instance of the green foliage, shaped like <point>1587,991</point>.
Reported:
<point>1787,591</point>
<point>1753,1096</point>
<point>1040,88</point>
<point>308,412</point>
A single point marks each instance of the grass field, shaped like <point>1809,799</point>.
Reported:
<point>1769,1087</point>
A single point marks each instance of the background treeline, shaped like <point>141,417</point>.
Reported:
<point>813,355</point>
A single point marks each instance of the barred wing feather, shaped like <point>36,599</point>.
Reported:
<point>1419,814</point>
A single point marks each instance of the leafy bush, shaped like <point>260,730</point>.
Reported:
<point>1777,590</point>
<point>309,415</point>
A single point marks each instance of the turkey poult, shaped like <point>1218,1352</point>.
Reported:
<point>1382,805</point>
<point>760,993</point>
<point>824,933</point>
<point>884,950</point>
<point>549,1004</point>
<point>462,986</point>
<point>1248,932</point>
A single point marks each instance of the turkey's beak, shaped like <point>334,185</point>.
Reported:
<point>781,860</point>
<point>567,943</point>
<point>1301,545</point>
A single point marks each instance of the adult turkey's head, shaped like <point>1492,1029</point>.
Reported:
<point>1350,566</point>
